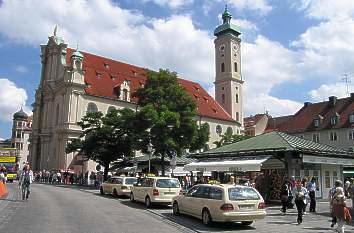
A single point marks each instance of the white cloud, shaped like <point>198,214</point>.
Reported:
<point>11,99</point>
<point>21,69</point>
<point>326,9</point>
<point>261,6</point>
<point>326,90</point>
<point>245,25</point>
<point>171,3</point>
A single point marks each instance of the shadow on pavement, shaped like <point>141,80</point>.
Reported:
<point>140,205</point>
<point>11,200</point>
<point>197,225</point>
<point>322,229</point>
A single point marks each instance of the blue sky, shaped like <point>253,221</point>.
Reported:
<point>292,50</point>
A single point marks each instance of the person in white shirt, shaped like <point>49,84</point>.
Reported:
<point>26,179</point>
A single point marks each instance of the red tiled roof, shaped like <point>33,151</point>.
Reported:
<point>302,121</point>
<point>274,123</point>
<point>104,74</point>
<point>252,120</point>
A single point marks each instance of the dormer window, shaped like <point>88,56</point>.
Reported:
<point>351,118</point>
<point>113,77</point>
<point>334,120</point>
<point>106,66</point>
<point>316,122</point>
<point>98,75</point>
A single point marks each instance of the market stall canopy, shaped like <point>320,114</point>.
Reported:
<point>271,143</point>
<point>227,166</point>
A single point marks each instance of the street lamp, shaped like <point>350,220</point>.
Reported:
<point>149,150</point>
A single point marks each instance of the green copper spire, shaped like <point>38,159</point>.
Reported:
<point>226,16</point>
<point>227,26</point>
<point>77,53</point>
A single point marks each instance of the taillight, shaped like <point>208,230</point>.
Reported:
<point>155,192</point>
<point>181,192</point>
<point>123,187</point>
<point>261,205</point>
<point>227,207</point>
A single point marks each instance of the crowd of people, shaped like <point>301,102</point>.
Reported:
<point>301,193</point>
<point>68,177</point>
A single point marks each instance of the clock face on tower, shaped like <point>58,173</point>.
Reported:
<point>222,48</point>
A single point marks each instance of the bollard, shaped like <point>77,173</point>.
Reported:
<point>3,189</point>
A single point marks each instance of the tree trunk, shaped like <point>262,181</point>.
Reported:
<point>105,172</point>
<point>163,164</point>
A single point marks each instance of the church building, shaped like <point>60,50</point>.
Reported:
<point>75,82</point>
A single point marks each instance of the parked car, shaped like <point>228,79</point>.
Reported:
<point>155,190</point>
<point>221,203</point>
<point>118,186</point>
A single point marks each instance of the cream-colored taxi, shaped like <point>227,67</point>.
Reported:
<point>118,186</point>
<point>155,190</point>
<point>221,203</point>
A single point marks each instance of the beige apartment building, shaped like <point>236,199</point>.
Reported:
<point>75,82</point>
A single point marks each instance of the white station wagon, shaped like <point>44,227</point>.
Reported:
<point>221,203</point>
<point>118,186</point>
<point>155,190</point>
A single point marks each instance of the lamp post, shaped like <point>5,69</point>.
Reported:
<point>149,150</point>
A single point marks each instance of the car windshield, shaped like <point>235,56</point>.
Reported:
<point>167,183</point>
<point>243,193</point>
<point>131,180</point>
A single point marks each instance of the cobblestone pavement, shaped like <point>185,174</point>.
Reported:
<point>59,209</point>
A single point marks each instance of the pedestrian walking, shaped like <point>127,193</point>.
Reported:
<point>26,179</point>
<point>311,187</point>
<point>304,184</point>
<point>338,206</point>
<point>331,195</point>
<point>284,195</point>
<point>300,200</point>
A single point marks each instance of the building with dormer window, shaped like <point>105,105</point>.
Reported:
<point>74,82</point>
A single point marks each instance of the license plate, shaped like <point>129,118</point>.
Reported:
<point>246,207</point>
<point>169,193</point>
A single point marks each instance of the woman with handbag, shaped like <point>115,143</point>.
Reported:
<point>338,209</point>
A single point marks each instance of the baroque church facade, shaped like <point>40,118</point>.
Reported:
<point>75,82</point>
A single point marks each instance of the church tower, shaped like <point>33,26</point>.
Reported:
<point>228,79</point>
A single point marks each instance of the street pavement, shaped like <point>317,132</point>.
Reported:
<point>71,209</point>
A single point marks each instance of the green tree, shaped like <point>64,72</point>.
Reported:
<point>229,138</point>
<point>106,138</point>
<point>167,116</point>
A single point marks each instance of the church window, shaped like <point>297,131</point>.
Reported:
<point>91,107</point>
<point>125,94</point>
<point>219,129</point>
<point>236,98</point>
<point>235,66</point>
<point>222,67</point>
<point>237,116</point>
<point>110,108</point>
<point>223,98</point>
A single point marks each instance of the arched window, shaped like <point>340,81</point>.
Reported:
<point>223,98</point>
<point>236,98</point>
<point>125,94</point>
<point>222,67</point>
<point>229,130</point>
<point>91,107</point>
<point>237,116</point>
<point>110,108</point>
<point>235,66</point>
<point>219,129</point>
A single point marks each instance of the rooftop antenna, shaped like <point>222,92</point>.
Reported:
<point>346,80</point>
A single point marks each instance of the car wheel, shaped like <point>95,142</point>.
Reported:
<point>115,194</point>
<point>131,197</point>
<point>206,217</point>
<point>101,191</point>
<point>147,202</point>
<point>247,223</point>
<point>175,208</point>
